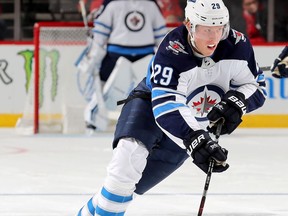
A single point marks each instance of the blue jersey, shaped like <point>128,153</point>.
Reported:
<point>185,86</point>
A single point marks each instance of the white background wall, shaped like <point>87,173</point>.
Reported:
<point>13,94</point>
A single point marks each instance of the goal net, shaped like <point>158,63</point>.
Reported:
<point>57,94</point>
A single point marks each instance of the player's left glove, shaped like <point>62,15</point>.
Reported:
<point>202,149</point>
<point>230,108</point>
<point>90,60</point>
<point>279,68</point>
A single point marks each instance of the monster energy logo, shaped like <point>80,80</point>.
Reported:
<point>53,57</point>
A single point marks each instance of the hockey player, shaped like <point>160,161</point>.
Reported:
<point>124,28</point>
<point>202,72</point>
<point>279,68</point>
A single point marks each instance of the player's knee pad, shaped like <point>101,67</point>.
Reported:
<point>124,171</point>
<point>128,161</point>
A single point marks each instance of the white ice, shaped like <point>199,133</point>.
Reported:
<point>54,175</point>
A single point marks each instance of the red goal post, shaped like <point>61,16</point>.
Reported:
<point>78,26</point>
<point>53,101</point>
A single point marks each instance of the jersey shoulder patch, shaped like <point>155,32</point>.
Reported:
<point>175,42</point>
<point>237,36</point>
<point>175,51</point>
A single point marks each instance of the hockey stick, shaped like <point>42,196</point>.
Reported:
<point>84,14</point>
<point>268,68</point>
<point>210,169</point>
<point>86,26</point>
<point>85,21</point>
<point>265,68</point>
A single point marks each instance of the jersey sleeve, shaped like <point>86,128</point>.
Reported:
<point>170,110</point>
<point>251,80</point>
<point>103,25</point>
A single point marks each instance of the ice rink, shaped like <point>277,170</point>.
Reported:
<point>54,175</point>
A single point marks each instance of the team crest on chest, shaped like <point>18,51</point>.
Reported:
<point>204,104</point>
<point>134,21</point>
<point>176,47</point>
<point>202,99</point>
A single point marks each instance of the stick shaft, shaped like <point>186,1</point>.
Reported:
<point>265,68</point>
<point>83,12</point>
<point>206,187</point>
<point>210,170</point>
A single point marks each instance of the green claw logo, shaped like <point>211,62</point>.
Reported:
<point>53,57</point>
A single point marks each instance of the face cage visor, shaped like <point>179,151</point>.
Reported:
<point>207,32</point>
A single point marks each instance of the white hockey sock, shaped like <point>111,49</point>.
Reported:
<point>89,208</point>
<point>124,171</point>
<point>114,198</point>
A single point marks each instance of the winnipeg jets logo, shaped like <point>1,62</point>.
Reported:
<point>204,104</point>
<point>135,21</point>
<point>202,99</point>
<point>238,35</point>
<point>176,47</point>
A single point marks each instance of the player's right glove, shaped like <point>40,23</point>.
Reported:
<point>202,149</point>
<point>230,108</point>
<point>279,68</point>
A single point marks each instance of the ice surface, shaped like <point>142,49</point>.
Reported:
<point>54,175</point>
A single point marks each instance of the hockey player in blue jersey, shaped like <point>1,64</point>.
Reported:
<point>202,72</point>
<point>279,68</point>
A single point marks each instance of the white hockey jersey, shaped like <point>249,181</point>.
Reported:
<point>185,87</point>
<point>129,27</point>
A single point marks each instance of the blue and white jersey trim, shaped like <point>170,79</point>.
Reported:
<point>162,92</point>
<point>130,50</point>
<point>103,25</point>
<point>101,33</point>
<point>166,108</point>
<point>160,28</point>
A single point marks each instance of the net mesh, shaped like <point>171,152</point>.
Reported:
<point>63,93</point>
<point>61,103</point>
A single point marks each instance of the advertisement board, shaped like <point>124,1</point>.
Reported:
<point>16,69</point>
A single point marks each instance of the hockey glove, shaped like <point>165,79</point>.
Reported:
<point>202,149</point>
<point>90,60</point>
<point>230,108</point>
<point>279,68</point>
